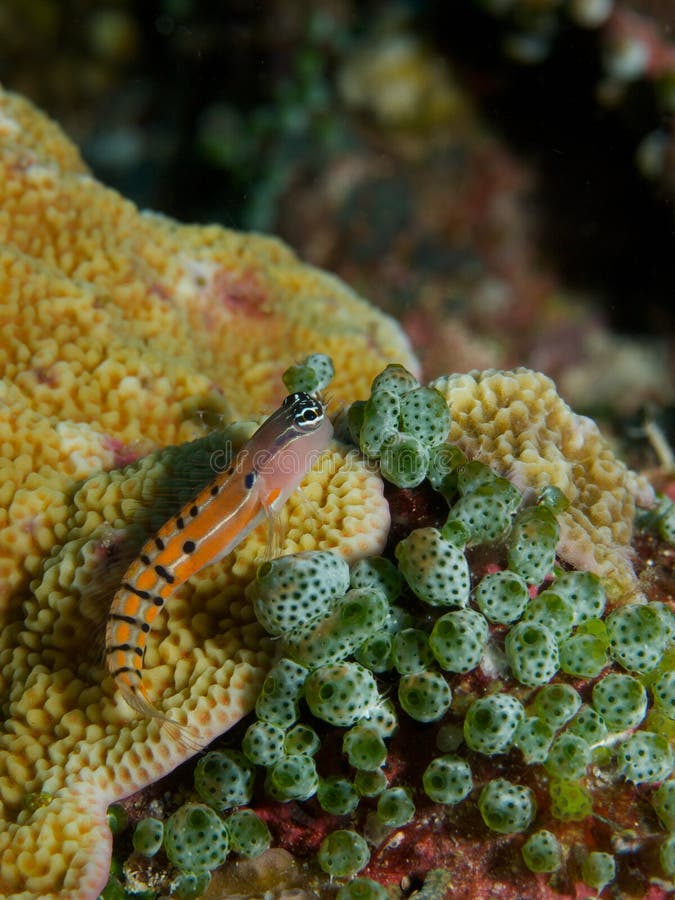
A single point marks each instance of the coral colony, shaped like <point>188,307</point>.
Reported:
<point>497,654</point>
<point>453,642</point>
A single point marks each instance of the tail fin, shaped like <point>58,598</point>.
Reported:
<point>185,736</point>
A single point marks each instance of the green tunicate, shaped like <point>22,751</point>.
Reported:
<point>118,818</point>
<point>667,617</point>
<point>300,378</point>
<point>447,779</point>
<point>370,784</point>
<point>377,572</point>
<point>301,739</point>
<point>291,591</point>
<point>552,611</point>
<point>532,652</point>
<point>645,757</point>
<point>663,802</point>
<point>425,696</point>
<point>364,748</point>
<point>589,725</point>
<point>195,838</point>
<point>355,420</point>
<point>375,652</point>
<point>292,778</point>
<point>458,640</point>
<point>263,743</point>
<point>598,869</point>
<point>395,807</point>
<point>425,415</point>
<point>148,836</point>
<point>474,476</point>
<point>249,835</point>
<point>532,542</point>
<point>382,716</point>
<point>554,499</point>
<point>570,802</point>
<point>484,514</point>
<point>666,520</point>
<point>542,852</point>
<point>449,737</point>
<point>343,853</point>
<point>224,778</point>
<point>491,723</point>
<point>663,690</point>
<point>436,571</point>
<point>322,366</point>
<point>584,592</point>
<point>621,700</point>
<point>444,460</point>
<point>502,597</point>
<point>341,693</point>
<point>380,421</point>
<point>362,889</point>
<point>404,460</point>
<point>396,379</point>
<point>583,655</point>
<point>189,885</point>
<point>456,533</point>
<point>667,855</point>
<point>113,890</point>
<point>410,651</point>
<point>277,702</point>
<point>398,618</point>
<point>534,738</point>
<point>337,796</point>
<point>338,633</point>
<point>557,703</point>
<point>505,807</point>
<point>637,637</point>
<point>569,757</point>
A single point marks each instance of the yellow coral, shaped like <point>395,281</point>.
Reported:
<point>68,736</point>
<point>123,328</point>
<point>123,332</point>
<point>517,423</point>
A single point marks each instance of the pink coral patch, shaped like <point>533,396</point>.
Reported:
<point>242,295</point>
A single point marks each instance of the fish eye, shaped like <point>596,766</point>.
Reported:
<point>309,414</point>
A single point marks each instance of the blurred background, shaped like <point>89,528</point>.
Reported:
<point>499,175</point>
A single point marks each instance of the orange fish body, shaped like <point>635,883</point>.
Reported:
<point>260,479</point>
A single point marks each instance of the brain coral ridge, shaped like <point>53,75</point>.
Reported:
<point>516,422</point>
<point>124,332</point>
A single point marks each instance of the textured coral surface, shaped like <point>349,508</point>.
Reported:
<point>124,331</point>
<point>517,423</point>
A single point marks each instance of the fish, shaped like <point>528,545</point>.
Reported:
<point>261,477</point>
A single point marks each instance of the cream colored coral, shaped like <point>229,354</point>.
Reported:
<point>516,422</point>
<point>69,737</point>
<point>123,332</point>
<point>236,309</point>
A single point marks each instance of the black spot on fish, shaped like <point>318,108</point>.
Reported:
<point>189,547</point>
<point>249,481</point>
<point>144,595</point>
<point>167,576</point>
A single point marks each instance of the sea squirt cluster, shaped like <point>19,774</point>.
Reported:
<point>474,631</point>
